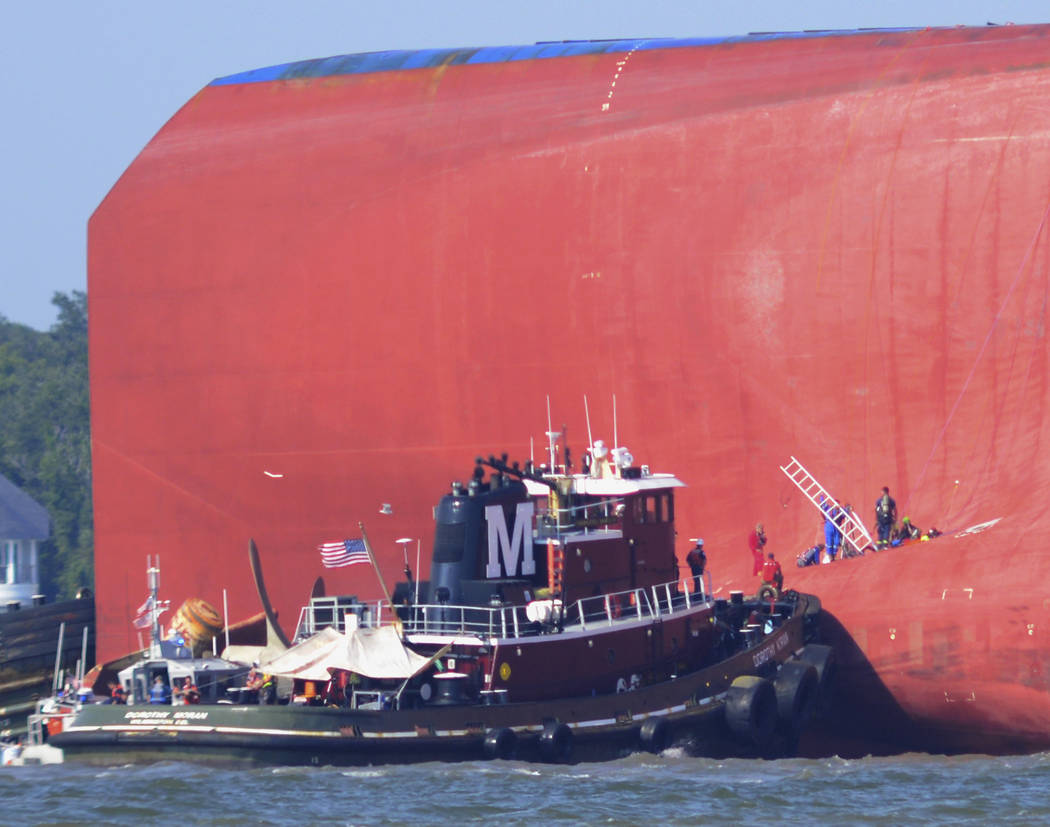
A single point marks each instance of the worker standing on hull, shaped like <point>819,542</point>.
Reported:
<point>885,517</point>
<point>756,542</point>
<point>832,535</point>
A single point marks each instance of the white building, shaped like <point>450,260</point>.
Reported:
<point>24,525</point>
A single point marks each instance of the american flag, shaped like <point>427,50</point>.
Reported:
<point>144,616</point>
<point>345,553</point>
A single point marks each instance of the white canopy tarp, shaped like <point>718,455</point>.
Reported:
<point>375,653</point>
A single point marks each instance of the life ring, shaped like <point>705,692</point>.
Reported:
<point>751,710</point>
<point>824,661</point>
<point>656,735</point>
<point>614,605</point>
<point>767,591</point>
<point>796,686</point>
<point>556,743</point>
<point>500,743</point>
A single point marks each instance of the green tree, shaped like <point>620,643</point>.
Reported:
<point>45,436</point>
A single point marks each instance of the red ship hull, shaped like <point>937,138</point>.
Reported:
<point>315,291</point>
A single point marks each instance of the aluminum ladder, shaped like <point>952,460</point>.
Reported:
<point>853,530</point>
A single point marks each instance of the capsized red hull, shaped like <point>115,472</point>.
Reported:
<point>322,289</point>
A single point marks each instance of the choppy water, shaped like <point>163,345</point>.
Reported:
<point>642,789</point>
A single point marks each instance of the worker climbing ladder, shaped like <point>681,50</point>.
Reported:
<point>853,531</point>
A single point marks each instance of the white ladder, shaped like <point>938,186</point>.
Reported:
<point>853,530</point>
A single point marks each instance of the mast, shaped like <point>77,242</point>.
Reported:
<point>153,578</point>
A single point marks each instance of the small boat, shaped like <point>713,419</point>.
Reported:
<point>554,627</point>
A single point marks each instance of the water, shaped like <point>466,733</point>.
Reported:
<point>641,789</point>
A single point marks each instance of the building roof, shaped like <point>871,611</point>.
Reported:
<point>21,517</point>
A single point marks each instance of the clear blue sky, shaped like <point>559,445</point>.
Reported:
<point>85,85</point>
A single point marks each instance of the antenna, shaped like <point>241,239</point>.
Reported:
<point>616,441</point>
<point>550,433</point>
<point>587,414</point>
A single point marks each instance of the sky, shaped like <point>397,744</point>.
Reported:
<point>84,86</point>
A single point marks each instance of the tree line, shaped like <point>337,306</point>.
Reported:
<point>45,436</point>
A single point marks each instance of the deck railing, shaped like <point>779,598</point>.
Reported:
<point>503,621</point>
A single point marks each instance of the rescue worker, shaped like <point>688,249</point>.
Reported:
<point>267,690</point>
<point>117,695</point>
<point>188,692</point>
<point>772,573</point>
<point>252,685</point>
<point>908,530</point>
<point>158,693</point>
<point>756,542</point>
<point>697,561</point>
<point>885,517</point>
<point>832,535</point>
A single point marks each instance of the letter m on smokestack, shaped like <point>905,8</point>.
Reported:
<point>508,547</point>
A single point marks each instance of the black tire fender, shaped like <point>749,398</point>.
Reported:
<point>824,661</point>
<point>556,743</point>
<point>796,686</point>
<point>500,744</point>
<point>751,709</point>
<point>656,735</point>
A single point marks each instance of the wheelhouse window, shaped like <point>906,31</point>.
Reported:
<point>655,507</point>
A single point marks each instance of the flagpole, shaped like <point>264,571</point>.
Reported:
<point>379,577</point>
<point>372,560</point>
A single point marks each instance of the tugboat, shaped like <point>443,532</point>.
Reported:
<point>553,627</point>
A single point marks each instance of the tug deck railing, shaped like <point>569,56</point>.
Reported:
<point>503,621</point>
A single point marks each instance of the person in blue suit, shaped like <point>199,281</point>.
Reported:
<point>832,535</point>
<point>158,693</point>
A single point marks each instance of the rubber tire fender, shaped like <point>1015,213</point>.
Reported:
<point>500,744</point>
<point>656,735</point>
<point>556,743</point>
<point>751,710</point>
<point>767,591</point>
<point>824,660</point>
<point>797,687</point>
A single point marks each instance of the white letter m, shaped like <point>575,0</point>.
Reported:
<point>507,548</point>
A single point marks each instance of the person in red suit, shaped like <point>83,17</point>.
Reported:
<point>772,573</point>
<point>757,542</point>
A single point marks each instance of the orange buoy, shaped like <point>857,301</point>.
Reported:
<point>197,622</point>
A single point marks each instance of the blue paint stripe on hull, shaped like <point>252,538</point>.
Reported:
<point>401,60</point>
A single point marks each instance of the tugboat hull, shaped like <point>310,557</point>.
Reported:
<point>690,710</point>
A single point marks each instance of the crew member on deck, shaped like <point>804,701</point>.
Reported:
<point>772,573</point>
<point>757,541</point>
<point>117,695</point>
<point>267,690</point>
<point>252,685</point>
<point>187,693</point>
<point>697,561</point>
<point>158,693</point>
